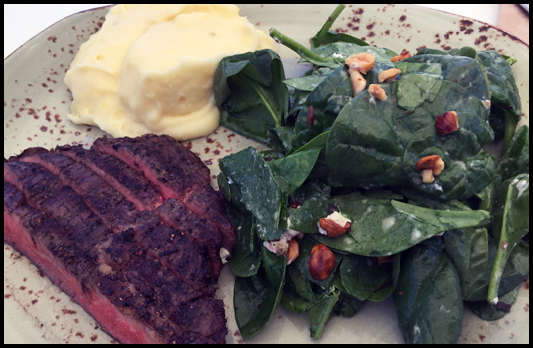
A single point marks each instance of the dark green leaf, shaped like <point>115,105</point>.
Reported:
<point>250,176</point>
<point>428,297</point>
<point>361,275</point>
<point>511,223</point>
<point>256,298</point>
<point>347,305</point>
<point>250,92</point>
<point>488,311</point>
<point>246,252</point>
<point>320,312</point>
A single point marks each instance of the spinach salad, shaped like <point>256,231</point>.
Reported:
<point>341,185</point>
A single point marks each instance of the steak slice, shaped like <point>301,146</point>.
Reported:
<point>175,214</point>
<point>132,184</point>
<point>176,173</point>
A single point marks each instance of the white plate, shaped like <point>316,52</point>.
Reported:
<point>36,103</point>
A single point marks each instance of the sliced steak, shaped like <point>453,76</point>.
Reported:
<point>159,158</point>
<point>118,283</point>
<point>132,236</point>
<point>184,257</point>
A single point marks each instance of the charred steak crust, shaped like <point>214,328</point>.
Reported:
<point>161,159</point>
<point>131,236</point>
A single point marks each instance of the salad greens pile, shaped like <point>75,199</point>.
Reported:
<point>434,247</point>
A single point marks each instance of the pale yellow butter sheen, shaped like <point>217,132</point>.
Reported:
<point>150,68</point>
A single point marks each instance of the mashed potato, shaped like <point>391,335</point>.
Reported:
<point>150,68</point>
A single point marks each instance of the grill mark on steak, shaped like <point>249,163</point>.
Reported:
<point>184,256</point>
<point>130,280</point>
<point>44,190</point>
<point>132,184</point>
<point>175,214</point>
<point>151,155</point>
<point>119,214</point>
<point>108,204</point>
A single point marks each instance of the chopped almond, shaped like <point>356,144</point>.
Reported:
<point>388,75</point>
<point>358,81</point>
<point>376,91</point>
<point>361,62</point>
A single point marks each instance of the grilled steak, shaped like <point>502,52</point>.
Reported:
<point>131,230</point>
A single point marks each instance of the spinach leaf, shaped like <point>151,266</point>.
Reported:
<point>464,69</point>
<point>291,300</point>
<point>310,189</point>
<point>295,168</point>
<point>428,297</point>
<point>346,49</point>
<point>511,223</point>
<point>468,249</point>
<point>256,298</point>
<point>487,311</point>
<point>248,175</point>
<point>419,82</point>
<point>387,288</point>
<point>320,312</point>
<point>362,275</point>
<point>246,253</point>
<point>250,92</point>
<point>309,82</point>
<point>347,305</point>
<point>504,99</point>
<point>516,159</point>
<point>380,226</point>
<point>473,254</point>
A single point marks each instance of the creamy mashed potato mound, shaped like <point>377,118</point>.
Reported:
<point>150,68</point>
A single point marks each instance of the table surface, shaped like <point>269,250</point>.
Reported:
<point>23,21</point>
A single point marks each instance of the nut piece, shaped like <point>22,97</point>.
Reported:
<point>333,229</point>
<point>427,176</point>
<point>361,62</point>
<point>431,165</point>
<point>321,262</point>
<point>405,54</point>
<point>376,91</point>
<point>447,123</point>
<point>388,75</point>
<point>358,81</point>
<point>294,251</point>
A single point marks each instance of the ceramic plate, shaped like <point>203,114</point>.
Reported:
<point>36,103</point>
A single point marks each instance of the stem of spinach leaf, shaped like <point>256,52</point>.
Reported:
<point>323,31</point>
<point>510,128</point>
<point>297,47</point>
